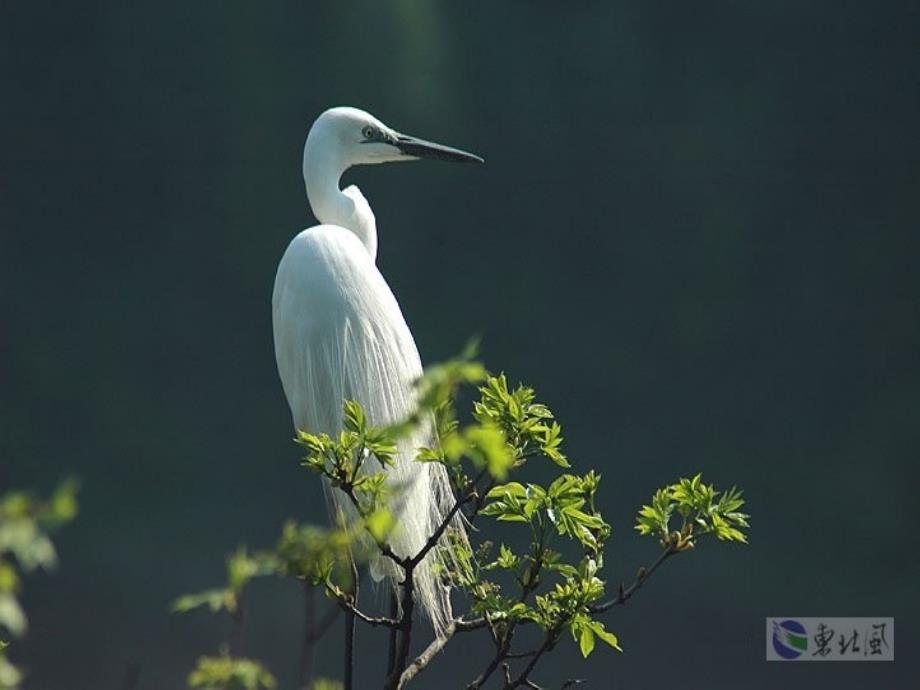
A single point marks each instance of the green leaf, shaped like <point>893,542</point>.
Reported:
<point>63,506</point>
<point>217,673</point>
<point>10,676</point>
<point>354,417</point>
<point>507,559</point>
<point>598,629</point>
<point>214,599</point>
<point>510,489</point>
<point>312,442</point>
<point>379,524</point>
<point>582,518</point>
<point>564,569</point>
<point>326,684</point>
<point>490,442</point>
<point>568,486</point>
<point>11,615</point>
<point>585,640</point>
<point>550,445</point>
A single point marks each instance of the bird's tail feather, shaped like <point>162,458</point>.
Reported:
<point>422,500</point>
<point>421,493</point>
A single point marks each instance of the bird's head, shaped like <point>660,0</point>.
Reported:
<point>354,137</point>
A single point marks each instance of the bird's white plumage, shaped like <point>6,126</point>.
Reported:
<point>340,334</point>
<point>339,331</point>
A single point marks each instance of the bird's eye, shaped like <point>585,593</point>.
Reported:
<point>368,132</point>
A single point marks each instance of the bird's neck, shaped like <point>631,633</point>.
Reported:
<point>346,208</point>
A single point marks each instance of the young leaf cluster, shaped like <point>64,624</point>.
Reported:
<point>316,555</point>
<point>701,509</point>
<point>554,581</point>
<point>305,552</point>
<point>227,673</point>
<point>241,568</point>
<point>25,545</point>
<point>528,426</point>
<point>356,463</point>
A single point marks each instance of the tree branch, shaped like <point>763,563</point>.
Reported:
<point>503,647</point>
<point>501,652</point>
<point>520,655</point>
<point>309,639</point>
<point>349,607</point>
<point>393,640</point>
<point>422,660</point>
<point>405,629</point>
<point>551,637</point>
<point>408,565</point>
<point>238,632</point>
<point>384,548</point>
<point>132,674</point>
<point>437,646</point>
<point>436,535</point>
<point>644,574</point>
<point>313,633</point>
<point>400,674</point>
<point>323,627</point>
<point>468,625</point>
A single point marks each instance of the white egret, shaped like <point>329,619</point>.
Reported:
<point>339,332</point>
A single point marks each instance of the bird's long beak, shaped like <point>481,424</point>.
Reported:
<point>419,148</point>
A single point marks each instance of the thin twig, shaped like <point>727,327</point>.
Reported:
<point>375,621</point>
<point>478,501</point>
<point>349,606</point>
<point>520,655</point>
<point>503,646</point>
<point>323,627</point>
<point>384,548</point>
<point>501,652</point>
<point>313,632</point>
<point>474,624</point>
<point>307,647</point>
<point>393,635</point>
<point>551,637</point>
<point>237,633</point>
<point>132,674</point>
<point>643,575</point>
<point>436,535</point>
<point>349,660</point>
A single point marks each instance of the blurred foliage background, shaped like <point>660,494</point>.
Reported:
<point>695,235</point>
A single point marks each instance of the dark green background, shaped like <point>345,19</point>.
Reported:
<point>696,235</point>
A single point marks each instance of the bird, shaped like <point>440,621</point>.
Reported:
<point>339,333</point>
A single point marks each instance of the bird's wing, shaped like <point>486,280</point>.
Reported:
<point>340,334</point>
